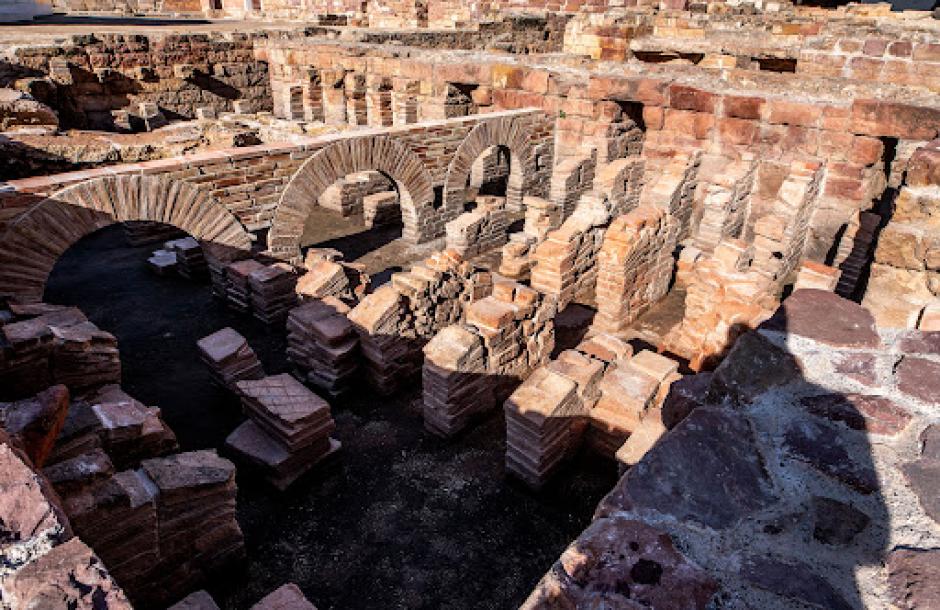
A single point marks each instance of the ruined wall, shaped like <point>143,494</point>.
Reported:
<point>92,78</point>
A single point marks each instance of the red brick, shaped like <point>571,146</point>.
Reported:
<point>683,97</point>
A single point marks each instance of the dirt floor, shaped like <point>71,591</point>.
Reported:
<point>398,519</point>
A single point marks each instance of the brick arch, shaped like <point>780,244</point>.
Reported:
<point>498,132</point>
<point>34,242</point>
<point>377,153</point>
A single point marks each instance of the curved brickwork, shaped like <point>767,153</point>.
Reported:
<point>379,153</point>
<point>505,131</point>
<point>34,242</point>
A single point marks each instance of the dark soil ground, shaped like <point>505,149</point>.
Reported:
<point>397,519</point>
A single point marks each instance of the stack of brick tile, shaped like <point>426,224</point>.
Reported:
<point>816,275</point>
<point>163,262</point>
<point>144,232</point>
<point>395,321</point>
<point>218,257</point>
<point>539,430</point>
<point>629,409</point>
<point>322,343</point>
<point>229,358</point>
<point>41,343</point>
<point>84,355</point>
<point>455,384</point>
<point>470,368</point>
<point>547,415</point>
<point>190,261</point>
<point>724,297</point>
<point>726,187</point>
<point>288,430</point>
<point>597,392</point>
<point>110,419</point>
<point>325,277</point>
<point>634,266</point>
<point>238,283</point>
<point>198,532</point>
<point>162,527</point>
<point>565,263</point>
<point>115,513</point>
<point>480,230</point>
<point>272,292</point>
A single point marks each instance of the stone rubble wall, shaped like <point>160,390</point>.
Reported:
<point>845,523</point>
<point>92,79</point>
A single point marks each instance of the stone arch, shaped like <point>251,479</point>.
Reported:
<point>378,153</point>
<point>507,132</point>
<point>34,242</point>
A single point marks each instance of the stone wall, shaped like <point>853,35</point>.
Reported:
<point>93,77</point>
<point>842,524</point>
<point>249,181</point>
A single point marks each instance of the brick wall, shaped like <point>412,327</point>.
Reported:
<point>249,181</point>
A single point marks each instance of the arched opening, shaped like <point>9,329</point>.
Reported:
<point>34,242</point>
<point>402,167</point>
<point>502,134</point>
<point>360,216</point>
<point>489,174</point>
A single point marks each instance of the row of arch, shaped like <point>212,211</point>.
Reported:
<point>33,243</point>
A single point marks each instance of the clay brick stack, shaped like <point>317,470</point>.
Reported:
<point>480,230</point>
<point>322,343</point>
<point>539,434</point>
<point>454,378</point>
<point>237,283</point>
<point>288,431</point>
<point>197,528</point>
<point>163,262</point>
<point>323,278</point>
<point>272,292</point>
<point>381,209</point>
<point>634,266</point>
<point>218,257</point>
<point>470,368</point>
<point>160,528</point>
<point>44,341</point>
<point>229,358</point>
<point>117,516</point>
<point>84,355</point>
<point>565,263</point>
<point>190,261</point>
<point>395,321</point>
<point>632,393</point>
